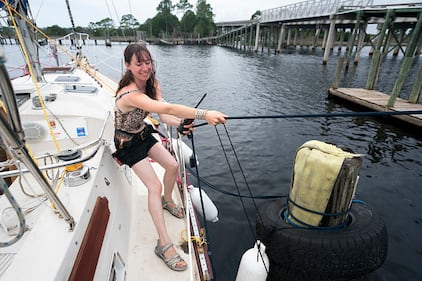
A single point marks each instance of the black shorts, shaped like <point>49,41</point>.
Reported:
<point>137,150</point>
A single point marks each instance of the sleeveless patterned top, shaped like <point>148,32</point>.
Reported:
<point>131,121</point>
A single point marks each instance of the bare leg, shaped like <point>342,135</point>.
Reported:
<point>167,161</point>
<point>145,172</point>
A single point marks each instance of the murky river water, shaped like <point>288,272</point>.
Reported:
<point>294,82</point>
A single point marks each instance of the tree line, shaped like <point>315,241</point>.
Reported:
<point>198,22</point>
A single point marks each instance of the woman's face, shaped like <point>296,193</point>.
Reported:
<point>141,68</point>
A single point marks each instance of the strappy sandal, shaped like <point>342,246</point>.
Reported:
<point>176,211</point>
<point>170,262</point>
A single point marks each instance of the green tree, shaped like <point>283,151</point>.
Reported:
<point>256,15</point>
<point>183,6</point>
<point>205,23</point>
<point>55,30</point>
<point>147,27</point>
<point>105,26</point>
<point>188,22</point>
<point>165,19</point>
<point>165,7</point>
<point>129,23</point>
<point>93,29</point>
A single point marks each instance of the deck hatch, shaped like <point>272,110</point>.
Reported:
<point>81,89</point>
<point>67,78</point>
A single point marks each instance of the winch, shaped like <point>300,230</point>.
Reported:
<point>76,175</point>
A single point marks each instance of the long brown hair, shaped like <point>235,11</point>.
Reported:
<point>140,51</point>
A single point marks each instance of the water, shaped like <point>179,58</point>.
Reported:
<point>294,82</point>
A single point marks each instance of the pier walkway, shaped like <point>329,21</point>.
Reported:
<point>378,101</point>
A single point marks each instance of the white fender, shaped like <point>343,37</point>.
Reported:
<point>211,212</point>
<point>186,152</point>
<point>252,266</point>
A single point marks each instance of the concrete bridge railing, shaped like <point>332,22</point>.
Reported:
<point>308,9</point>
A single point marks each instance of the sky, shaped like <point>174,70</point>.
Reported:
<point>54,12</point>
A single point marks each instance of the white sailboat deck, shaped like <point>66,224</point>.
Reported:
<point>143,263</point>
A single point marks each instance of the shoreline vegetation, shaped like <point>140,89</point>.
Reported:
<point>196,22</point>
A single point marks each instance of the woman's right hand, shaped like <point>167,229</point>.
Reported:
<point>215,117</point>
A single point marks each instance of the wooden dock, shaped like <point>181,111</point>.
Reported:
<point>378,101</point>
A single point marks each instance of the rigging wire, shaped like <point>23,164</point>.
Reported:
<point>237,187</point>
<point>70,16</point>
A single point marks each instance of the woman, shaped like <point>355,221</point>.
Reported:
<point>138,95</point>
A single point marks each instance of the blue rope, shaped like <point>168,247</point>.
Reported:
<point>286,214</point>
<point>316,212</point>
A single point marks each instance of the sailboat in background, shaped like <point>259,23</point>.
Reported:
<point>68,210</point>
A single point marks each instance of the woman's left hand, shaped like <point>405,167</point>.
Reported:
<point>187,128</point>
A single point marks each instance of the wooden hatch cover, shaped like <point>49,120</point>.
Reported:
<point>89,252</point>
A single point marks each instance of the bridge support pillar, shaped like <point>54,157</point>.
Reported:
<point>330,41</point>
<point>341,40</point>
<point>316,37</point>
<point>352,39</point>
<point>359,45</point>
<point>289,37</point>
<point>324,40</point>
<point>256,38</point>
<point>295,37</point>
<point>280,38</point>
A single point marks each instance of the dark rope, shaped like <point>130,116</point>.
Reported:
<point>318,115</point>
<point>212,186</point>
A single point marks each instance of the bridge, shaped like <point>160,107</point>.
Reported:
<point>323,23</point>
<point>314,23</point>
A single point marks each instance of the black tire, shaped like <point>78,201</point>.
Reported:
<point>311,254</point>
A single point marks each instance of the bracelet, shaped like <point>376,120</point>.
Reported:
<point>200,114</point>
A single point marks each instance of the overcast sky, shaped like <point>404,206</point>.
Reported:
<point>54,12</point>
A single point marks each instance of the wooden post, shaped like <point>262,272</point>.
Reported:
<point>407,62</point>
<point>343,191</point>
<point>352,38</point>
<point>359,45</point>
<point>417,87</point>
<point>323,184</point>
<point>376,59</point>
<point>338,72</point>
